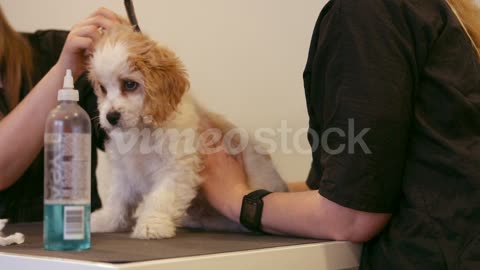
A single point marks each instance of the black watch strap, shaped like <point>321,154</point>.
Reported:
<point>252,209</point>
<point>258,194</point>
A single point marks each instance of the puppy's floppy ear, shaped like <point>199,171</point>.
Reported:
<point>166,81</point>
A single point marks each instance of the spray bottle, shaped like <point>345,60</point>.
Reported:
<point>67,171</point>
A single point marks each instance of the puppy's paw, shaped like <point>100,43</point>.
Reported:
<point>154,228</point>
<point>101,222</point>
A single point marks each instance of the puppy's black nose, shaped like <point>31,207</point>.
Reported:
<point>113,117</point>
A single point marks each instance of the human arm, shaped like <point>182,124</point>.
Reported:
<point>297,186</point>
<point>306,213</point>
<point>21,131</point>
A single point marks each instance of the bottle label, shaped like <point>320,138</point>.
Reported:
<point>74,223</point>
<point>67,168</point>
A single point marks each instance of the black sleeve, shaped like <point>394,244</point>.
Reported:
<point>46,47</point>
<point>88,101</point>
<point>359,85</point>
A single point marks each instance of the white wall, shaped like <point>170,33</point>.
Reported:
<point>245,57</point>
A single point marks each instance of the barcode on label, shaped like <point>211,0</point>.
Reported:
<point>73,223</point>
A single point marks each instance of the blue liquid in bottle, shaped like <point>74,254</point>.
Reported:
<point>67,171</point>
<point>55,232</point>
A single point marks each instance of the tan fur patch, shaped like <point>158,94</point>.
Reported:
<point>165,77</point>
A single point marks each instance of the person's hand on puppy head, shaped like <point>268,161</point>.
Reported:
<point>82,38</point>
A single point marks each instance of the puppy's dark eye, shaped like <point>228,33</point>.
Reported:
<point>130,86</point>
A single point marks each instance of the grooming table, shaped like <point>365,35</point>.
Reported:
<point>188,250</point>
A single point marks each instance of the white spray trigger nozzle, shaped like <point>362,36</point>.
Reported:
<point>68,80</point>
<point>68,92</point>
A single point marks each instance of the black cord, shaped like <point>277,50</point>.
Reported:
<point>131,15</point>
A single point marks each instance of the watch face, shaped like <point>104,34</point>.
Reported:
<point>250,212</point>
<point>252,207</point>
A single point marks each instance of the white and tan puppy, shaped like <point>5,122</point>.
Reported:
<point>156,135</point>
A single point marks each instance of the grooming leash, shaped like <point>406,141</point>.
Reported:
<point>131,15</point>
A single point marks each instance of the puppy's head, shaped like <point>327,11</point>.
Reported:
<point>136,80</point>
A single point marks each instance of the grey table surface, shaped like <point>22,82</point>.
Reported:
<point>120,248</point>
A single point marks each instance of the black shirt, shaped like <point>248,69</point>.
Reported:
<point>23,201</point>
<point>406,71</point>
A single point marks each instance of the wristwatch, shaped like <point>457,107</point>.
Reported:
<point>252,207</point>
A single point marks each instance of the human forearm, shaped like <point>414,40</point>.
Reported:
<point>297,186</point>
<point>21,131</point>
<point>308,214</point>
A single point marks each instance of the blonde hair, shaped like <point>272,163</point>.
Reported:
<point>15,61</point>
<point>468,13</point>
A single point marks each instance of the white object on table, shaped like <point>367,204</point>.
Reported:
<point>16,238</point>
